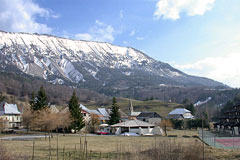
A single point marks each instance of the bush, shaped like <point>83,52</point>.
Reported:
<point>177,124</point>
<point>195,123</point>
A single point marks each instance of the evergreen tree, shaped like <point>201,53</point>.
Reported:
<point>40,100</point>
<point>75,111</point>
<point>114,115</point>
<point>191,108</point>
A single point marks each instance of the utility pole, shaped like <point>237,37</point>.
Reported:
<point>202,137</point>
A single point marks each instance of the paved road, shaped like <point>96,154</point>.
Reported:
<point>24,137</point>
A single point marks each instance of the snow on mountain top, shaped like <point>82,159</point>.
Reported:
<point>62,45</point>
<point>49,56</point>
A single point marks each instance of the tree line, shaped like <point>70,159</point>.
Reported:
<point>40,115</point>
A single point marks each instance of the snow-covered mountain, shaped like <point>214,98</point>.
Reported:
<point>88,64</point>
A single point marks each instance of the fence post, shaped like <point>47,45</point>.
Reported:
<point>49,146</point>
<point>57,146</point>
<point>74,152</point>
<point>63,152</point>
<point>86,151</point>
<point>33,150</point>
<point>80,147</point>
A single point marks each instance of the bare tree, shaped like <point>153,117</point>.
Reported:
<point>64,121</point>
<point>3,124</point>
<point>93,123</point>
<point>28,117</point>
<point>45,120</point>
<point>165,123</point>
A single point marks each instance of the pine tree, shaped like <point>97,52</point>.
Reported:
<point>41,100</point>
<point>114,115</point>
<point>191,108</point>
<point>75,111</point>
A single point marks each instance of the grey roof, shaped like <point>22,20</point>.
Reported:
<point>133,123</point>
<point>6,108</point>
<point>103,111</point>
<point>84,108</point>
<point>89,110</point>
<point>180,111</point>
<point>94,112</point>
<point>148,115</point>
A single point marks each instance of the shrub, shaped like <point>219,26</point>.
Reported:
<point>177,124</point>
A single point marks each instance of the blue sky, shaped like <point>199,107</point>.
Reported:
<point>199,37</point>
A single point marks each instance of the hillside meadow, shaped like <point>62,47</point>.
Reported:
<point>162,108</point>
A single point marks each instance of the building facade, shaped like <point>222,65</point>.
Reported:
<point>11,114</point>
<point>230,121</point>
<point>150,117</point>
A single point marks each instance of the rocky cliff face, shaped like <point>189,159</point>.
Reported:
<point>88,64</point>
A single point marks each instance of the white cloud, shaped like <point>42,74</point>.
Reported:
<point>132,33</point>
<point>171,9</point>
<point>139,38</point>
<point>225,68</point>
<point>84,36</point>
<point>20,16</point>
<point>99,32</point>
<point>121,14</point>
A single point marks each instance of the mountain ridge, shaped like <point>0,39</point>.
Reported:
<point>89,64</point>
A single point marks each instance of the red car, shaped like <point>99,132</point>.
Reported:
<point>102,133</point>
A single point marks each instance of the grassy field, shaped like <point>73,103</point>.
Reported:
<point>162,108</point>
<point>108,146</point>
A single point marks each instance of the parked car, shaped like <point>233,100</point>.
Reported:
<point>102,132</point>
<point>129,134</point>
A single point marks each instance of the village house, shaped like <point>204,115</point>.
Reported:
<point>230,121</point>
<point>136,126</point>
<point>150,117</point>
<point>104,115</point>
<point>11,114</point>
<point>180,114</point>
<point>86,113</point>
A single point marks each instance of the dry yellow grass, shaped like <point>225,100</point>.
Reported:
<point>110,144</point>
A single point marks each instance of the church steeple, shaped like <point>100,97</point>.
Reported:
<point>130,107</point>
